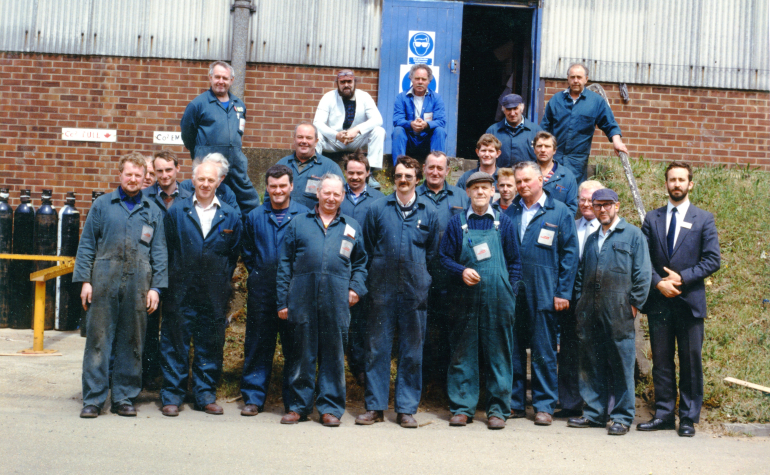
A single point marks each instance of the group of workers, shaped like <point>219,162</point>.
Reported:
<point>464,278</point>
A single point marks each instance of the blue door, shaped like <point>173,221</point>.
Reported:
<point>414,32</point>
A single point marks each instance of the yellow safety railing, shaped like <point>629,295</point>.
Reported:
<point>67,265</point>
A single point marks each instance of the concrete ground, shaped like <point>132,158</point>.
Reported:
<point>40,432</point>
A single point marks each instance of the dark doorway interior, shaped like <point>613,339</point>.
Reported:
<point>495,51</point>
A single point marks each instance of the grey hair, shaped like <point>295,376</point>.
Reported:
<point>315,129</point>
<point>421,66</point>
<point>329,177</point>
<point>217,159</point>
<point>527,164</point>
<point>585,68</point>
<point>590,185</point>
<point>221,64</point>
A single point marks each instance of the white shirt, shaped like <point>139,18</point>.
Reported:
<point>603,236</point>
<point>406,205</point>
<point>330,114</point>
<point>206,215</point>
<point>418,101</point>
<point>681,212</point>
<point>528,213</point>
<point>584,229</point>
<point>489,211</point>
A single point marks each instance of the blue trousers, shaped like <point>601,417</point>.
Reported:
<point>357,338</point>
<point>406,142</point>
<point>192,321</point>
<point>262,328</point>
<point>577,164</point>
<point>607,370</point>
<point>569,362</point>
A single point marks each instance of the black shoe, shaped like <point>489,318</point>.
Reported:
<point>686,427</point>
<point>125,410</point>
<point>656,424</point>
<point>617,429</point>
<point>89,412</point>
<point>582,423</point>
<point>518,414</point>
<point>565,413</point>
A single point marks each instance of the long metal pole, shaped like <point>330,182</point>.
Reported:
<point>240,46</point>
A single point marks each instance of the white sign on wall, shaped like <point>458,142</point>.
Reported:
<point>165,137</point>
<point>421,47</point>
<point>405,83</point>
<point>90,135</point>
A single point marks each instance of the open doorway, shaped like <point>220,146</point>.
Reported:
<point>496,53</point>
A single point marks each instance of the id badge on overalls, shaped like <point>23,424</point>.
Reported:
<point>346,248</point>
<point>482,251</point>
<point>312,185</point>
<point>546,237</point>
<point>147,232</point>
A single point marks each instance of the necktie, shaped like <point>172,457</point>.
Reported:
<point>671,232</point>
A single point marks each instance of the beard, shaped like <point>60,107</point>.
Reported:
<point>681,198</point>
<point>347,93</point>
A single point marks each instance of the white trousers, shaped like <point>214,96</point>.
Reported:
<point>375,141</point>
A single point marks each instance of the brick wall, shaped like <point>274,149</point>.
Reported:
<point>40,94</point>
<point>708,126</point>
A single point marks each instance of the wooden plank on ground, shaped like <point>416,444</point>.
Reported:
<point>748,384</point>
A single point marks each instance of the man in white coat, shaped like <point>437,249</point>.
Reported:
<point>347,119</point>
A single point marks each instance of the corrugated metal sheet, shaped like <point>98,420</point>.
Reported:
<point>695,43</point>
<point>319,32</point>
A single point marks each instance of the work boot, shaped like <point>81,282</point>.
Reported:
<point>369,418</point>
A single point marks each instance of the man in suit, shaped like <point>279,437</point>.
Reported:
<point>684,250</point>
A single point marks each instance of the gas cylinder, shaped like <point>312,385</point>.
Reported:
<point>23,289</point>
<point>67,293</point>
<point>46,224</point>
<point>6,247</point>
<point>94,195</point>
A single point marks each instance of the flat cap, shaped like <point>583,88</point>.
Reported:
<point>512,100</point>
<point>479,177</point>
<point>605,194</point>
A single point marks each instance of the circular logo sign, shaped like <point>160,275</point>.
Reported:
<point>421,44</point>
<point>406,84</point>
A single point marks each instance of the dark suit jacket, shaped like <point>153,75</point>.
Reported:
<point>696,256</point>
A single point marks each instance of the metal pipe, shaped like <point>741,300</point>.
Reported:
<point>242,14</point>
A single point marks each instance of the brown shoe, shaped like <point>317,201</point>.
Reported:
<point>459,420</point>
<point>495,423</point>
<point>369,418</point>
<point>250,410</point>
<point>543,419</point>
<point>170,410</point>
<point>125,410</point>
<point>292,418</point>
<point>329,420</point>
<point>213,408</point>
<point>518,414</point>
<point>407,421</point>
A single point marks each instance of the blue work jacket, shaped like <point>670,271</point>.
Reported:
<point>118,244</point>
<point>610,281</point>
<point>358,210</point>
<point>403,111</point>
<point>208,127</point>
<point>262,240</point>
<point>224,194</point>
<point>450,201</point>
<point>517,143</point>
<point>563,187</point>
<point>574,124</point>
<point>314,274</point>
<point>399,251</point>
<point>306,181</point>
<point>548,270</point>
<point>201,264</point>
<point>153,194</point>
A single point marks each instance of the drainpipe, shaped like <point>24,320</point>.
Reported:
<point>243,10</point>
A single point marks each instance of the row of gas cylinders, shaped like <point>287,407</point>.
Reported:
<point>41,232</point>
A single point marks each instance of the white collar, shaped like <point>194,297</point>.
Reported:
<point>681,208</point>
<point>409,203</point>
<point>588,224</point>
<point>489,211</point>
<point>215,201</point>
<point>540,202</point>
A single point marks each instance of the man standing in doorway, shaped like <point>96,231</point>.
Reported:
<point>419,117</point>
<point>515,132</point>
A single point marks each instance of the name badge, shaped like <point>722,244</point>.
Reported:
<point>546,237</point>
<point>312,186</point>
<point>686,225</point>
<point>242,124</point>
<point>147,234</point>
<point>482,251</point>
<point>350,232</point>
<point>427,117</point>
<point>346,248</point>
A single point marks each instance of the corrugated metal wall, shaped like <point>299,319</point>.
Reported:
<point>696,43</point>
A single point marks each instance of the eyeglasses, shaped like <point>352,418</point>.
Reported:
<point>607,206</point>
<point>584,200</point>
<point>400,176</point>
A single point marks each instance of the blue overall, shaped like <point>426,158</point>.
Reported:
<point>357,334</point>
<point>517,142</point>
<point>262,241</point>
<point>195,308</point>
<point>307,180</point>
<point>207,127</point>
<point>224,194</point>
<point>399,250</point>
<point>563,187</point>
<point>122,254</point>
<point>482,324</point>
<point>405,140</point>
<point>548,271</point>
<point>314,276</point>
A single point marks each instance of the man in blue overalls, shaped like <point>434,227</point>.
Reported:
<point>481,252</point>
<point>263,234</point>
<point>121,262</point>
<point>215,122</point>
<point>558,181</point>
<point>321,274</point>
<point>401,236</point>
<point>547,239</point>
<point>204,241</point>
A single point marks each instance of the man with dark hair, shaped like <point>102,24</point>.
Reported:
<point>515,132</point>
<point>488,151</point>
<point>557,180</point>
<point>122,234</point>
<point>572,116</point>
<point>684,249</point>
<point>215,122</point>
<point>419,117</point>
<point>358,199</point>
<point>263,234</point>
<point>149,177</point>
<point>401,238</point>
<point>307,166</point>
